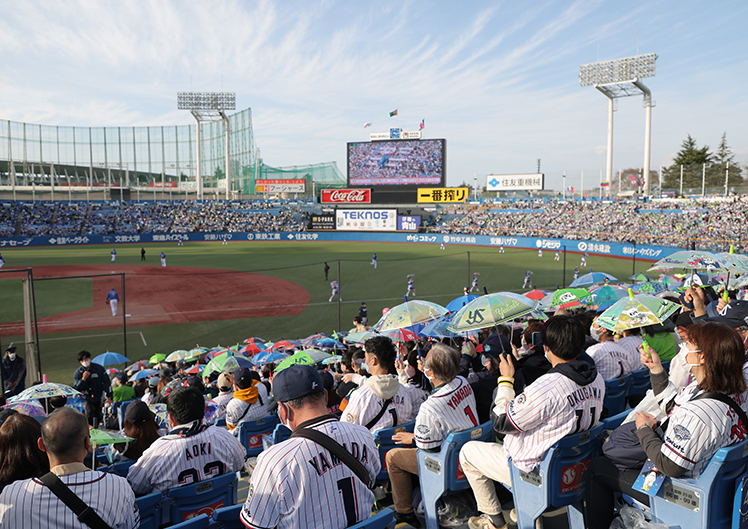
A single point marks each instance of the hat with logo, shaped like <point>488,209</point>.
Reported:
<point>495,345</point>
<point>734,314</point>
<point>296,381</point>
<point>11,349</point>
<point>224,384</point>
<point>243,378</point>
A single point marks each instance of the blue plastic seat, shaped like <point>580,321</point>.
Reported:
<point>120,469</point>
<point>740,504</point>
<point>616,391</point>
<point>558,481</point>
<point>384,519</point>
<point>611,423</point>
<point>204,497</point>
<point>221,422</point>
<point>227,518</point>
<point>278,435</point>
<point>640,382</point>
<point>120,408</point>
<point>439,473</point>
<point>384,442</point>
<point>250,433</point>
<point>149,507</point>
<point>198,522</point>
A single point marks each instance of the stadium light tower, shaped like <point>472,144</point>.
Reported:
<point>207,107</point>
<point>621,78</point>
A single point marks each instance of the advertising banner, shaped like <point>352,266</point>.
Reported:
<point>346,196</point>
<point>408,222</point>
<point>515,182</point>
<point>280,186</point>
<point>443,194</point>
<point>322,222</point>
<point>366,219</point>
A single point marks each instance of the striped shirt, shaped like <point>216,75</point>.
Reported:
<point>297,483</point>
<point>613,361</point>
<point>631,344</point>
<point>29,504</point>
<point>450,408</point>
<point>173,460</point>
<point>259,409</point>
<point>364,405</point>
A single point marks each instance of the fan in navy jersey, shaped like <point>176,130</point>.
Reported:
<point>190,453</point>
<point>299,483</point>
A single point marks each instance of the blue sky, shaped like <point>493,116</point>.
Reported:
<point>498,80</point>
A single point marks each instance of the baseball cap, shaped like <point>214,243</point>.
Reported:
<point>194,382</point>
<point>11,349</point>
<point>224,384</point>
<point>165,372</point>
<point>137,412</point>
<point>153,382</point>
<point>296,381</point>
<point>243,378</point>
<point>122,377</point>
<point>327,380</point>
<point>733,314</point>
<point>684,319</point>
<point>495,345</point>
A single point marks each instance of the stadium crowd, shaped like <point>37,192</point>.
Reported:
<point>535,381</point>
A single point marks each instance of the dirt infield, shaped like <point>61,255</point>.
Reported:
<point>156,296</point>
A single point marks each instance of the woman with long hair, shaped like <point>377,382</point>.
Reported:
<point>140,424</point>
<point>20,456</point>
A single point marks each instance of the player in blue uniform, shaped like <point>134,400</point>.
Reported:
<point>411,286</point>
<point>528,281</point>
<point>112,299</point>
<point>163,259</point>
<point>474,284</point>
<point>374,261</point>
<point>114,255</point>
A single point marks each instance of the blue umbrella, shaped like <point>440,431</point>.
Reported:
<point>269,357</point>
<point>143,373</point>
<point>457,303</point>
<point>593,278</point>
<point>109,359</point>
<point>329,343</point>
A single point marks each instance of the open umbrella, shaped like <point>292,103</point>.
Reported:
<point>305,357</point>
<point>157,358</point>
<point>252,348</point>
<point>143,373</point>
<point>457,303</point>
<point>332,360</point>
<point>649,287</point>
<point>491,309</point>
<point>255,340</point>
<point>106,437</point>
<point>606,295</point>
<point>359,337</point>
<point>691,260</point>
<point>285,344</point>
<point>400,335</point>
<point>329,343</point>
<point>640,277</point>
<point>32,408</point>
<point>111,371</point>
<point>45,391</point>
<point>565,296</point>
<point>226,363</point>
<point>269,357</point>
<point>411,314</point>
<point>195,370</point>
<point>137,366</point>
<point>593,278</point>
<point>162,416</point>
<point>176,356</point>
<point>536,294</point>
<point>109,359</point>
<point>197,352</point>
<point>641,310</point>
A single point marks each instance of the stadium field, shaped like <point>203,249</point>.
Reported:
<point>211,294</point>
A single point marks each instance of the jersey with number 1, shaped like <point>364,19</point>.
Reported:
<point>550,408</point>
<point>450,408</point>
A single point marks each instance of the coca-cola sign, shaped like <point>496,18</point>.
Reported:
<point>346,196</point>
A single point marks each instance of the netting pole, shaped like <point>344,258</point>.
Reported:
<point>33,360</point>
<point>339,294</point>
<point>124,314</point>
<point>563,282</point>
<point>468,276</point>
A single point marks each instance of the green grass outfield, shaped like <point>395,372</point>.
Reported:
<point>440,277</point>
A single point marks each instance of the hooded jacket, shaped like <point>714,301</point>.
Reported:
<point>365,403</point>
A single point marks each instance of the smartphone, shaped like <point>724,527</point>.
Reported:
<point>537,339</point>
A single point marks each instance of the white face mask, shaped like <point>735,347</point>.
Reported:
<point>86,363</point>
<point>685,351</point>
<point>286,423</point>
<point>12,356</point>
<point>365,367</point>
<point>596,333</point>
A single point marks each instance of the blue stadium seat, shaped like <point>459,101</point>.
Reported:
<point>198,522</point>
<point>227,518</point>
<point>120,408</point>
<point>384,519</point>
<point>740,504</point>
<point>611,423</point>
<point>205,497</point>
<point>120,469</point>
<point>558,481</point>
<point>616,391</point>
<point>707,501</point>
<point>150,510</point>
<point>278,435</point>
<point>640,382</point>
<point>221,422</point>
<point>250,433</point>
<point>384,442</point>
<point>439,472</point>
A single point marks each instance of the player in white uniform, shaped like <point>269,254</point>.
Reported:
<point>528,281</point>
<point>163,259</point>
<point>112,299</point>
<point>30,504</point>
<point>611,360</point>
<point>114,255</point>
<point>381,401</point>
<point>411,285</point>
<point>540,252</point>
<point>557,256</point>
<point>441,246</point>
<point>2,263</point>
<point>576,273</point>
<point>335,291</point>
<point>567,399</point>
<point>474,284</point>
<point>450,408</point>
<point>584,260</point>
<point>501,249</point>
<point>190,453</point>
<point>374,261</point>
<point>298,483</point>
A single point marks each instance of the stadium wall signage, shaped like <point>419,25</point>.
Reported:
<point>346,196</point>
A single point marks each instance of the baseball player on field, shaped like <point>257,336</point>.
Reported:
<point>411,285</point>
<point>584,259</point>
<point>1,261</point>
<point>112,299</point>
<point>576,273</point>
<point>528,281</point>
<point>191,452</point>
<point>335,291</point>
<point>540,252</point>
<point>374,261</point>
<point>163,259</point>
<point>299,483</point>
<point>557,256</point>
<point>501,249</point>
<point>567,399</point>
<point>450,408</point>
<point>114,254</point>
<point>474,284</point>
<point>381,401</point>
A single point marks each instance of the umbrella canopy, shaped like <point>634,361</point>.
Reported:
<point>211,407</point>
<point>641,310</point>
<point>286,344</point>
<point>305,357</point>
<point>359,337</point>
<point>195,370</point>
<point>329,343</point>
<point>254,339</point>
<point>606,295</point>
<point>137,366</point>
<point>568,295</point>
<point>162,416</point>
<point>409,314</point>
<point>109,359</point>
<point>112,371</point>
<point>739,282</point>
<point>738,263</point>
<point>457,303</point>
<point>670,281</point>
<point>400,335</point>
<point>226,363</point>
<point>691,260</point>
<point>593,278</point>
<point>45,391</point>
<point>32,408</point>
<point>102,437</point>
<point>143,373</point>
<point>197,352</point>
<point>217,351</point>
<point>640,277</point>
<point>653,287</point>
<point>158,357</point>
<point>699,280</point>
<point>252,348</point>
<point>269,357</point>
<point>332,360</point>
<point>536,294</point>
<point>176,356</point>
<point>491,309</point>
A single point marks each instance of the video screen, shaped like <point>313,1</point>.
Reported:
<point>396,163</point>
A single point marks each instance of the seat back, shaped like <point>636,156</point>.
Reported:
<point>227,518</point>
<point>121,407</point>
<point>120,469</point>
<point>204,497</point>
<point>706,501</point>
<point>740,504</point>
<point>250,433</point>
<point>616,391</point>
<point>384,442</point>
<point>439,472</point>
<point>149,507</point>
<point>384,519</point>
<point>640,382</point>
<point>198,522</point>
<point>558,481</point>
<point>278,435</point>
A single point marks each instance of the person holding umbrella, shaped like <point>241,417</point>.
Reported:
<point>92,381</point>
<point>14,372</point>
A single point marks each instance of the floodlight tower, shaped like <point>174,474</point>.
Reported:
<point>621,78</point>
<point>207,107</point>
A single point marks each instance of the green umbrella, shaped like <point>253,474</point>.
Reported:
<point>226,362</point>
<point>103,437</point>
<point>176,356</point>
<point>359,337</point>
<point>491,309</point>
<point>157,358</point>
<point>641,310</point>
<point>568,295</point>
<point>306,357</point>
<point>197,352</point>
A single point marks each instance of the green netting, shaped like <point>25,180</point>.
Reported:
<point>323,175</point>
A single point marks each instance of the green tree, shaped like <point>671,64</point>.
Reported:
<point>722,160</point>
<point>692,158</point>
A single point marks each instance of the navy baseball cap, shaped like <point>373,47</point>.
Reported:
<point>734,314</point>
<point>243,378</point>
<point>496,345</point>
<point>296,381</point>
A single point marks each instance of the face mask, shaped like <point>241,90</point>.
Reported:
<point>87,363</point>
<point>545,353</point>
<point>485,361</point>
<point>595,333</point>
<point>12,356</point>
<point>685,350</point>
<point>286,423</point>
<point>365,367</point>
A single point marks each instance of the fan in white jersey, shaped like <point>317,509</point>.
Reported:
<point>191,452</point>
<point>698,425</point>
<point>567,399</point>
<point>251,401</point>
<point>450,408</point>
<point>381,401</point>
<point>611,360</point>
<point>631,340</point>
<point>30,504</point>
<point>299,483</point>
<point>412,378</point>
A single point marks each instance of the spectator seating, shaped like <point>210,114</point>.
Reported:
<point>149,507</point>
<point>616,391</point>
<point>384,519</point>
<point>440,473</point>
<point>204,497</point>
<point>278,435</point>
<point>120,408</point>
<point>198,522</point>
<point>558,481</point>
<point>383,439</point>
<point>227,518</point>
<point>640,382</point>
<point>739,507</point>
<point>120,469</point>
<point>250,433</point>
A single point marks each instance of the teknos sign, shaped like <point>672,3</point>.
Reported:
<point>346,196</point>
